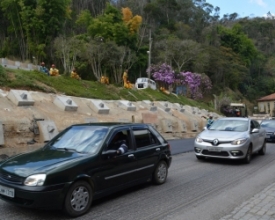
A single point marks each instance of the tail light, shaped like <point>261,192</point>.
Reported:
<point>169,147</point>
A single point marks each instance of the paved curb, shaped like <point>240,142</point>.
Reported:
<point>260,207</point>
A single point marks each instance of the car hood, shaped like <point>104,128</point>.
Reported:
<point>222,135</point>
<point>40,161</point>
<point>269,129</point>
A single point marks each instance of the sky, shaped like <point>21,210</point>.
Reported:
<point>245,8</point>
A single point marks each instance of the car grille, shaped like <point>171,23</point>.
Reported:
<point>220,142</point>
<point>214,153</point>
<point>11,178</point>
<point>269,133</point>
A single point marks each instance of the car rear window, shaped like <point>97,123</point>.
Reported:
<point>144,138</point>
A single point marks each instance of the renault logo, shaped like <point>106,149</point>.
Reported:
<point>216,142</point>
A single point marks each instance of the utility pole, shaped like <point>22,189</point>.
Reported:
<point>149,55</point>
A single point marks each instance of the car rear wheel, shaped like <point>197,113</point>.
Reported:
<point>160,173</point>
<point>263,149</point>
<point>78,199</point>
<point>200,157</point>
<point>247,158</point>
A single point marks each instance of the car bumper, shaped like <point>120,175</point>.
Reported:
<point>50,197</point>
<point>228,151</point>
<point>270,138</point>
<point>169,161</point>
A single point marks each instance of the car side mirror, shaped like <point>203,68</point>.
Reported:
<point>255,130</point>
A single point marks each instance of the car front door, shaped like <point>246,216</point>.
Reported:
<point>261,137</point>
<point>255,136</point>
<point>117,170</point>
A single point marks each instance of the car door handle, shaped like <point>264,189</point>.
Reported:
<point>132,156</point>
<point>158,149</point>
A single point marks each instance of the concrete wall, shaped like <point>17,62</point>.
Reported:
<point>27,125</point>
<point>17,64</point>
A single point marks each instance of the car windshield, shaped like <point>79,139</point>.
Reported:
<point>139,80</point>
<point>268,124</point>
<point>230,125</point>
<point>83,139</point>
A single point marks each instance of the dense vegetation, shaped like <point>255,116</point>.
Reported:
<point>104,37</point>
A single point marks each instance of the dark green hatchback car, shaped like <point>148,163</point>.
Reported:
<point>83,163</point>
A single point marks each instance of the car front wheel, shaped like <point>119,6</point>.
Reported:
<point>263,149</point>
<point>78,199</point>
<point>247,158</point>
<point>160,173</point>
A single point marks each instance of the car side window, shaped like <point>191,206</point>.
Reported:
<point>255,124</point>
<point>118,137</point>
<point>144,138</point>
<point>251,126</point>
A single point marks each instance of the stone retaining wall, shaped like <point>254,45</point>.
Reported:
<point>17,64</point>
<point>22,127</point>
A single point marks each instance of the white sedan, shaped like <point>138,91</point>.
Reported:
<point>231,138</point>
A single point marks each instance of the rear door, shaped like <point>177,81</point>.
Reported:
<point>148,150</point>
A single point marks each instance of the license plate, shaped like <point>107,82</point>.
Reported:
<point>215,149</point>
<point>6,191</point>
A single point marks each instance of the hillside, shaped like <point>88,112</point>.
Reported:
<point>36,81</point>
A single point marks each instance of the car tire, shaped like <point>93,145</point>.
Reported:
<point>160,173</point>
<point>78,199</point>
<point>200,157</point>
<point>248,155</point>
<point>263,149</point>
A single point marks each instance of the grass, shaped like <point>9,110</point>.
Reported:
<point>35,80</point>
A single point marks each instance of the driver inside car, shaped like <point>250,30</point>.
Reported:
<point>119,143</point>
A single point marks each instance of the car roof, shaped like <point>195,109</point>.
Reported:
<point>110,124</point>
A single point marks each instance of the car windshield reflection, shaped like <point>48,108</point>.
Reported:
<point>229,125</point>
<point>82,139</point>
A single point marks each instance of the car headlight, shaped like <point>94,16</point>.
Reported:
<point>199,140</point>
<point>239,141</point>
<point>35,180</point>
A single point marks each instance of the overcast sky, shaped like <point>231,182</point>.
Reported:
<point>244,8</point>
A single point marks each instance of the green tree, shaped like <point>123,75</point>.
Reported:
<point>106,30</point>
<point>36,23</point>
<point>11,10</point>
<point>68,50</point>
<point>236,40</point>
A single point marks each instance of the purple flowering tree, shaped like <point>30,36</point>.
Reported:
<point>163,74</point>
<point>198,84</point>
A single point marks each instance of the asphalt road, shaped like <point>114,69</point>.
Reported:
<point>181,146</point>
<point>199,190</point>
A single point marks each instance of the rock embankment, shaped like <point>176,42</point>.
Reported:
<point>28,119</point>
